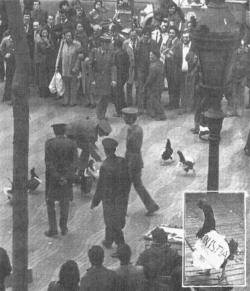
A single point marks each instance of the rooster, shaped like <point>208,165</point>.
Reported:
<point>34,180</point>
<point>187,165</point>
<point>167,154</point>
<point>32,185</point>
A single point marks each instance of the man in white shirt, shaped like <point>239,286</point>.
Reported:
<point>186,44</point>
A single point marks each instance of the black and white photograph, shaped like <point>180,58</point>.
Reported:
<point>111,110</point>
<point>215,241</point>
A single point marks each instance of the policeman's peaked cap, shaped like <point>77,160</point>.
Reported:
<point>109,143</point>
<point>59,126</point>
<point>130,111</point>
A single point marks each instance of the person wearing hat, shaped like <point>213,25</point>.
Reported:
<point>146,44</point>
<point>103,74</point>
<point>133,157</point>
<point>209,221</point>
<point>61,162</point>
<point>85,133</point>
<point>68,54</point>
<point>161,264</point>
<point>97,276</point>
<point>154,86</point>
<point>112,190</point>
<point>132,275</point>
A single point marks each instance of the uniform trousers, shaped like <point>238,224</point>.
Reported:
<point>114,234</point>
<point>135,179</point>
<point>70,94</point>
<point>64,213</point>
<point>102,106</point>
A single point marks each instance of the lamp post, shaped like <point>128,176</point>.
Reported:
<point>215,40</point>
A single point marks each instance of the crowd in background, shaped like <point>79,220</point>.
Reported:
<point>100,65</point>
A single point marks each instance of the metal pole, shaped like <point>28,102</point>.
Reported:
<point>215,118</point>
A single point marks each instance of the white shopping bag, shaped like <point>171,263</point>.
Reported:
<point>52,85</point>
<point>211,251</point>
<point>59,84</point>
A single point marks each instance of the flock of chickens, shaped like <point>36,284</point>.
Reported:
<point>186,164</point>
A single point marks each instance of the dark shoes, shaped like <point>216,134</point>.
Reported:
<point>106,244</point>
<point>50,233</point>
<point>152,210</point>
<point>64,231</point>
<point>194,130</point>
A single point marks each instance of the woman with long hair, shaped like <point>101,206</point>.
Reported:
<point>69,278</point>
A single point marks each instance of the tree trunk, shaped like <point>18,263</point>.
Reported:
<point>20,90</point>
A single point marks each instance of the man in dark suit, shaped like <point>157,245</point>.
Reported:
<point>38,14</point>
<point>61,161</point>
<point>121,61</point>
<point>173,67</point>
<point>209,221</point>
<point>113,190</point>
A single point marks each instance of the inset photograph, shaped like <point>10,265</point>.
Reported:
<point>214,251</point>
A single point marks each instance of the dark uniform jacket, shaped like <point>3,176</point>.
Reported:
<point>100,279</point>
<point>60,160</point>
<point>133,149</point>
<point>103,70</point>
<point>209,222</point>
<point>5,267</point>
<point>113,190</point>
<point>39,15</point>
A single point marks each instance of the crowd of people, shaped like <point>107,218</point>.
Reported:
<point>100,65</point>
<point>96,61</point>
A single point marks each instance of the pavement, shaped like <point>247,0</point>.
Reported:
<point>165,183</point>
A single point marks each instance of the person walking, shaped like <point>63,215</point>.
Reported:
<point>134,160</point>
<point>61,161</point>
<point>113,189</point>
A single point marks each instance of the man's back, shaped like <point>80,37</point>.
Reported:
<point>132,277</point>
<point>100,279</point>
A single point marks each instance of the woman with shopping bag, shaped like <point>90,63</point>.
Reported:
<point>68,55</point>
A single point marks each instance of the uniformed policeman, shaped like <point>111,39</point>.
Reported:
<point>61,161</point>
<point>113,190</point>
<point>134,158</point>
<point>85,133</point>
<point>103,73</point>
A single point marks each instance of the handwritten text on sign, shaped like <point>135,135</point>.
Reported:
<point>210,251</point>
